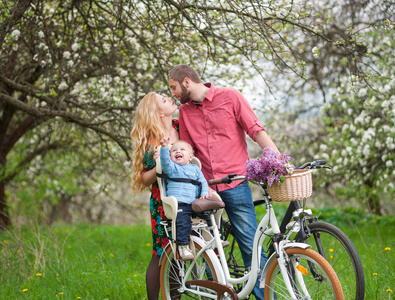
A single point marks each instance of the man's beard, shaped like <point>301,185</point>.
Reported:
<point>185,95</point>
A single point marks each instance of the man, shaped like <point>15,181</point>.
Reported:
<point>214,121</point>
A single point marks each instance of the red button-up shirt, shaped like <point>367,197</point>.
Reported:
<point>216,130</point>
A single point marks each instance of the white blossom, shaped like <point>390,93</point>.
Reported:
<point>16,33</point>
<point>385,104</point>
<point>325,156</point>
<point>75,47</point>
<point>390,143</point>
<point>323,147</point>
<point>388,163</point>
<point>316,51</point>
<point>362,92</point>
<point>375,121</point>
<point>63,85</point>
<point>66,54</point>
<point>41,34</point>
<point>366,150</point>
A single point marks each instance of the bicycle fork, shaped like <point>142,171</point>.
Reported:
<point>290,269</point>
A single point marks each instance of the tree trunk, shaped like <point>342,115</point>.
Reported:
<point>373,199</point>
<point>5,220</point>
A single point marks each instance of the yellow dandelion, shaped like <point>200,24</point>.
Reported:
<point>148,244</point>
<point>330,250</point>
<point>331,257</point>
<point>38,274</point>
<point>69,246</point>
<point>24,290</point>
<point>61,293</point>
<point>112,255</point>
<point>374,274</point>
<point>387,249</point>
<point>5,241</point>
<point>19,250</point>
<point>2,250</point>
<point>134,275</point>
<point>79,298</point>
<point>389,291</point>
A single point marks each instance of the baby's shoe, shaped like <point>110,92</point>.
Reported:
<point>185,253</point>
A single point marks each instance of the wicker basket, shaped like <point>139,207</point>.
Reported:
<point>295,187</point>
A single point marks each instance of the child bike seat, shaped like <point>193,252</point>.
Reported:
<point>170,204</point>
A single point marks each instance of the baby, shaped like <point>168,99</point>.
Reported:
<point>177,164</point>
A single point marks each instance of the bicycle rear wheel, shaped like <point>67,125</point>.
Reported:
<point>338,250</point>
<point>322,285</point>
<point>172,278</point>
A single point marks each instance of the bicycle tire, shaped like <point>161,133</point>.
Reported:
<point>170,282</point>
<point>325,286</point>
<point>340,252</point>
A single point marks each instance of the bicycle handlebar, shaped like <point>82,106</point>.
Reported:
<point>228,179</point>
<point>317,164</point>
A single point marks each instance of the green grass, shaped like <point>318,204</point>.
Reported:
<point>67,262</point>
<point>109,262</point>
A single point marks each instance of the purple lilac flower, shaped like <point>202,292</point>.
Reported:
<point>270,167</point>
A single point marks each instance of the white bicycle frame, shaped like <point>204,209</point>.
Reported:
<point>250,278</point>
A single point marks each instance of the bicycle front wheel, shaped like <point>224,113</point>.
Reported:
<point>322,284</point>
<point>338,250</point>
<point>172,273</point>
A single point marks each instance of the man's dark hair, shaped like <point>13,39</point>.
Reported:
<point>179,72</point>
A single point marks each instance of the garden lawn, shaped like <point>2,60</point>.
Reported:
<point>109,262</point>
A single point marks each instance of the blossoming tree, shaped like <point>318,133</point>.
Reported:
<point>73,71</point>
<point>360,125</point>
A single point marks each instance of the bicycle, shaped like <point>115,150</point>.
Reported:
<point>286,274</point>
<point>328,240</point>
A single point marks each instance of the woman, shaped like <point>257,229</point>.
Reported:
<point>153,119</point>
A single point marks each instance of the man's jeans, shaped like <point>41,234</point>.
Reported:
<point>241,212</point>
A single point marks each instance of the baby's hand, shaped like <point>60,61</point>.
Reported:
<point>204,197</point>
<point>156,153</point>
<point>164,141</point>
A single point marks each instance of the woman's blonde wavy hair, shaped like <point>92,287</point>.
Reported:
<point>146,135</point>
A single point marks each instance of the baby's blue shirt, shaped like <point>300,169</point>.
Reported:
<point>184,192</point>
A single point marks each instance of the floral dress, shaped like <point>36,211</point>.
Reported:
<point>159,239</point>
